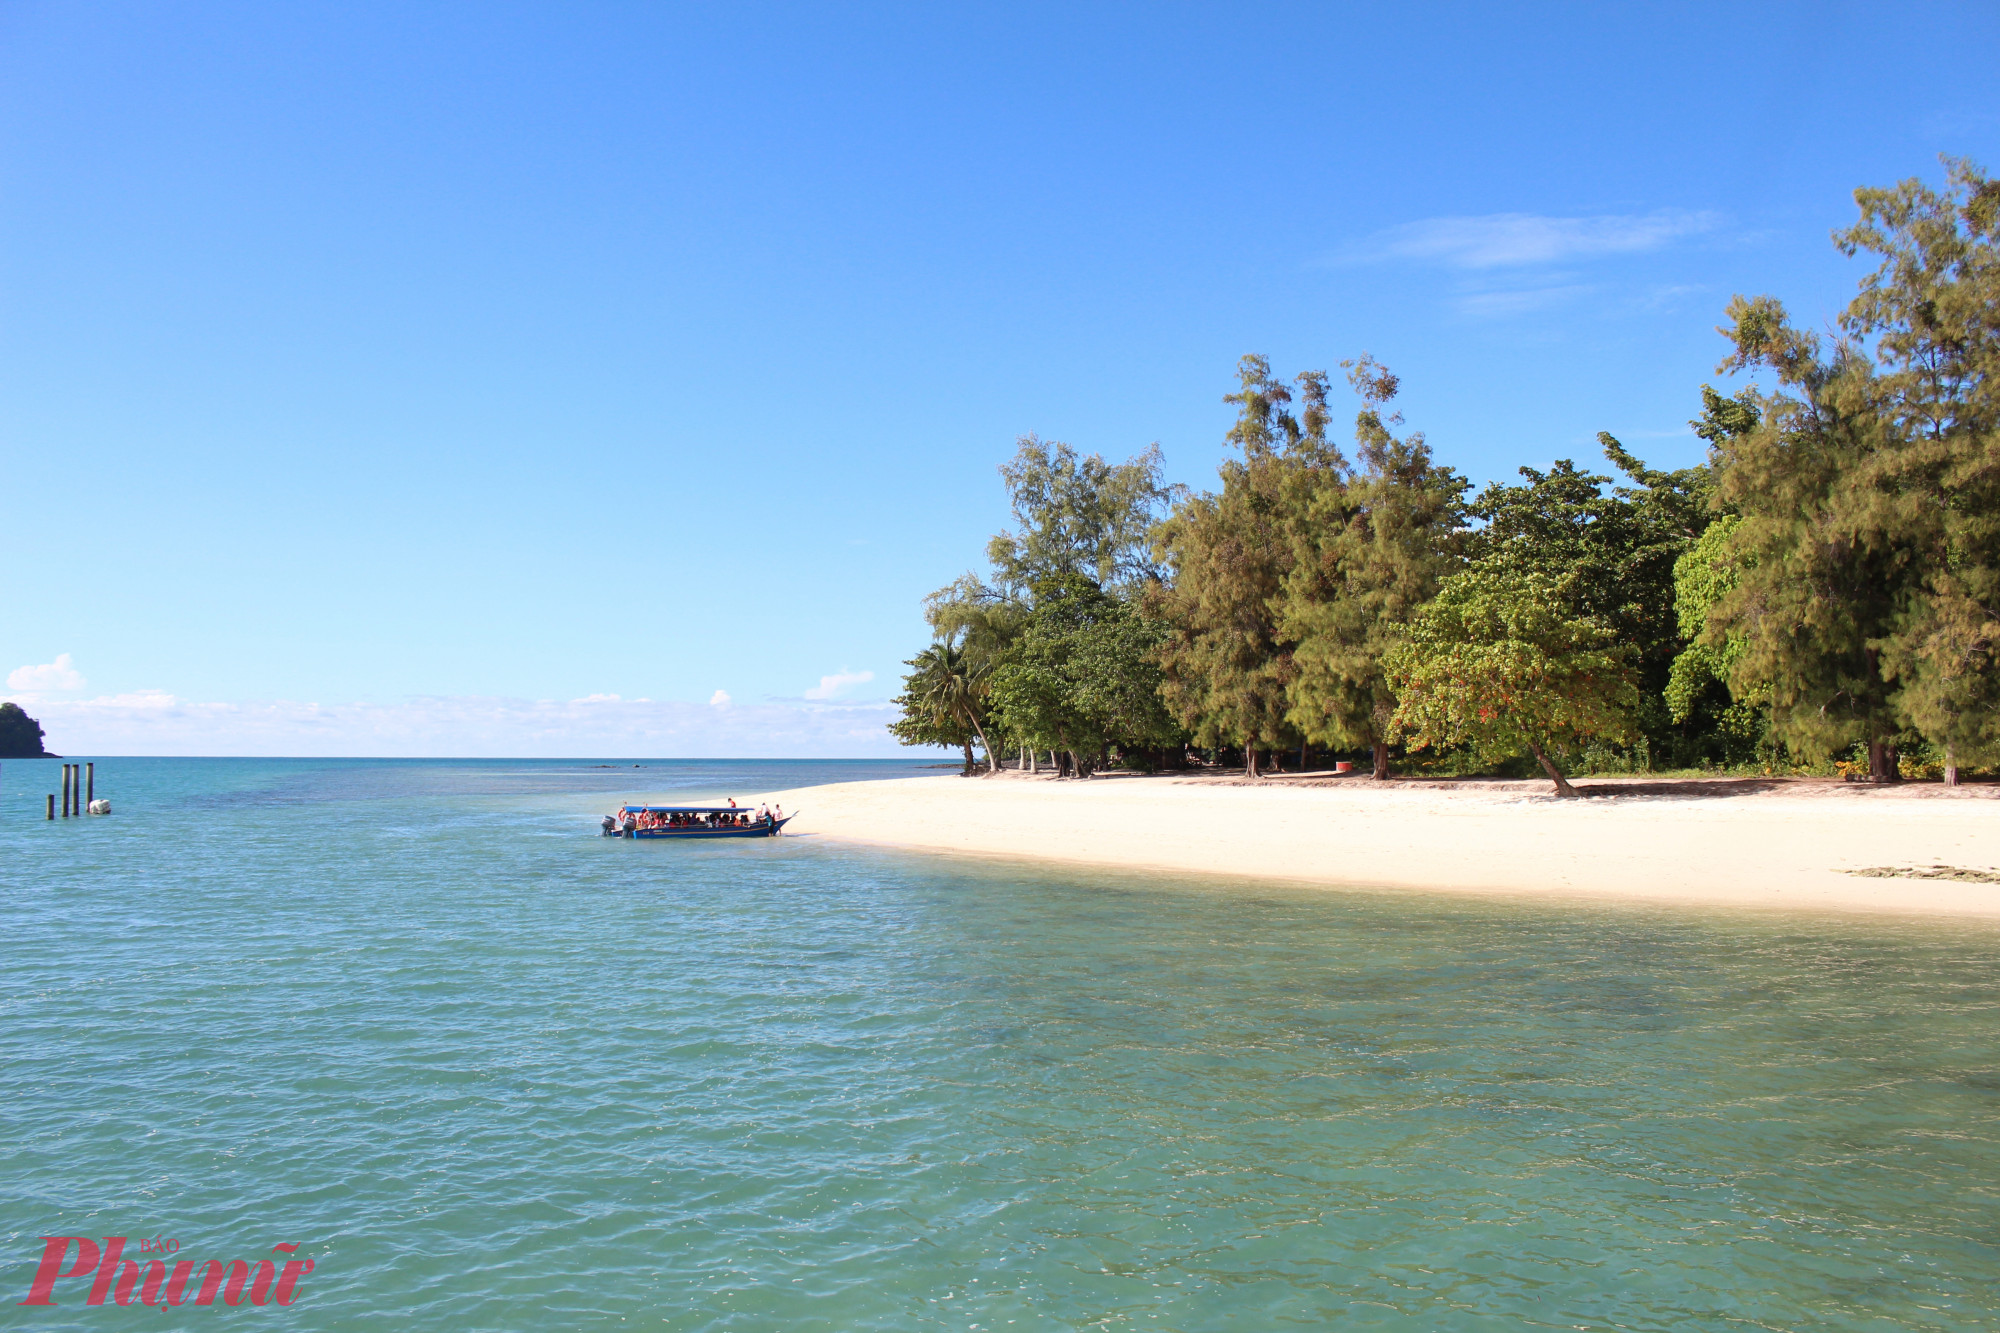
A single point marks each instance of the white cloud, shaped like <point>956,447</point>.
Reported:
<point>596,699</point>
<point>831,685</point>
<point>720,699</point>
<point>154,722</point>
<point>59,676</point>
<point>135,699</point>
<point>1519,301</point>
<point>1499,240</point>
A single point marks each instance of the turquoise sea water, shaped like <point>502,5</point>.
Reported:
<point>491,1071</point>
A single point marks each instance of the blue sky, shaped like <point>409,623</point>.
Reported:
<point>405,379</point>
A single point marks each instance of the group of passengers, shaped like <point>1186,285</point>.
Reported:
<point>635,820</point>
<point>692,819</point>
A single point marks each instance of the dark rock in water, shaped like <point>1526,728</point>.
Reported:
<point>20,735</point>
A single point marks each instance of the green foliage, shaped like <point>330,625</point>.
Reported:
<point>1079,516</point>
<point>977,618</point>
<point>1053,651</point>
<point>943,700</point>
<point>1371,550</point>
<point>1928,313</point>
<point>1703,575</point>
<point>1829,578</point>
<point>20,735</point>
<point>1868,601</point>
<point>1226,660</point>
<point>1499,663</point>
<point>1822,572</point>
<point>1613,549</point>
<point>1083,674</point>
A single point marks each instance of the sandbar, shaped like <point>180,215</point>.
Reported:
<point>1775,843</point>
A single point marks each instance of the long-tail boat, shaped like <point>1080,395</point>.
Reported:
<point>693,821</point>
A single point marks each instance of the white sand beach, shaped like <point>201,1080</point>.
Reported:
<point>1767,844</point>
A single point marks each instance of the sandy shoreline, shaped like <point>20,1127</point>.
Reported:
<point>1745,844</point>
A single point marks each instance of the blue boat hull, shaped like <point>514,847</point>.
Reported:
<point>696,834</point>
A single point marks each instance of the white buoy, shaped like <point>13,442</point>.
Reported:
<point>100,806</point>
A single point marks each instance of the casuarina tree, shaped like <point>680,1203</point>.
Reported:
<point>1930,316</point>
<point>1227,662</point>
<point>1371,549</point>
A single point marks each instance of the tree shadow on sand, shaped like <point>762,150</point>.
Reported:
<point>1687,787</point>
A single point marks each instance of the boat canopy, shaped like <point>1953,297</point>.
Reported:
<point>686,810</point>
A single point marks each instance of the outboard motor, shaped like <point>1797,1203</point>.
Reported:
<point>610,827</point>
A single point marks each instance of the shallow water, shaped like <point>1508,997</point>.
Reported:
<point>490,1070</point>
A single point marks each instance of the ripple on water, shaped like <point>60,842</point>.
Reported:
<point>494,1072</point>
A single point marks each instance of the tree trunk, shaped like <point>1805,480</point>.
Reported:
<point>1075,764</point>
<point>1028,758</point>
<point>1562,783</point>
<point>1950,765</point>
<point>1879,769</point>
<point>992,765</point>
<point>1250,762</point>
<point>967,771</point>
<point>1302,756</point>
<point>1381,772</point>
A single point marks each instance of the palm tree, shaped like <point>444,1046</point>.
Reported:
<point>950,684</point>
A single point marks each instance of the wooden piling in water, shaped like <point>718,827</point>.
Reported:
<point>65,791</point>
<point>89,785</point>
<point>52,805</point>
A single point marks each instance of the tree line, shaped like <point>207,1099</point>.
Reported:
<point>1823,589</point>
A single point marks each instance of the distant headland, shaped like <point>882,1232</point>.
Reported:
<point>21,735</point>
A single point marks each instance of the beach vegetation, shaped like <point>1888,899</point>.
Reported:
<point>943,700</point>
<point>1370,545</point>
<point>1500,662</point>
<point>1226,661</point>
<point>1083,678</point>
<point>1867,599</point>
<point>1078,516</point>
<point>1819,594</point>
<point>1052,645</point>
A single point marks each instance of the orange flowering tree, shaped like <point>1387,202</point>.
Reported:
<point>1500,662</point>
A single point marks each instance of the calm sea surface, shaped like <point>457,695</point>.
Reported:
<point>492,1071</point>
